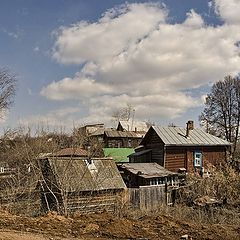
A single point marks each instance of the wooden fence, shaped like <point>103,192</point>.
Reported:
<point>151,197</point>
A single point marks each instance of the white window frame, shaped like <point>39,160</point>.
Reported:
<point>197,159</point>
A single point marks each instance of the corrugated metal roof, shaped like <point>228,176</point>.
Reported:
<point>118,154</point>
<point>75,175</point>
<point>147,170</point>
<point>120,134</point>
<point>177,136</point>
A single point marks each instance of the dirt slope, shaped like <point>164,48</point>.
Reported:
<point>107,226</point>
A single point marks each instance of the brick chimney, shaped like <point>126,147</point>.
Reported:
<point>190,126</point>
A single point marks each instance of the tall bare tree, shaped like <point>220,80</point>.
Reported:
<point>221,115</point>
<point>123,113</point>
<point>7,89</point>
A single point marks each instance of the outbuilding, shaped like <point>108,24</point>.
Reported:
<point>80,184</point>
<point>147,174</point>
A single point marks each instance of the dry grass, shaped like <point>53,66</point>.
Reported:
<point>224,184</point>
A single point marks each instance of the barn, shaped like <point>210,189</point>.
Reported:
<point>178,148</point>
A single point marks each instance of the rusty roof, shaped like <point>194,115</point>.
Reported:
<point>147,170</point>
<point>177,136</point>
<point>71,152</point>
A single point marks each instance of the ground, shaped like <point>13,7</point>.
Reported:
<point>107,226</point>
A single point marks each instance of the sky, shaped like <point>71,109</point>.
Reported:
<point>77,62</point>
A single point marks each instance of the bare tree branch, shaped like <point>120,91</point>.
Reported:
<point>7,89</point>
<point>221,115</point>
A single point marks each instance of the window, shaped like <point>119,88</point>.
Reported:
<point>156,181</point>
<point>197,159</point>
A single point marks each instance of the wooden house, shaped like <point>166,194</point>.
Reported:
<point>181,148</point>
<point>146,174</point>
<point>80,184</point>
<point>111,138</point>
<point>121,139</point>
<point>98,135</point>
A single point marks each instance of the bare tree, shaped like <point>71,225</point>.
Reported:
<point>123,113</point>
<point>7,89</point>
<point>221,115</point>
<point>19,152</point>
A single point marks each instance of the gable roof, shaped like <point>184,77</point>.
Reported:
<point>131,125</point>
<point>177,136</point>
<point>75,174</point>
<point>118,154</point>
<point>147,170</point>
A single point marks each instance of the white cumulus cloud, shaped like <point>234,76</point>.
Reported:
<point>132,54</point>
<point>228,10</point>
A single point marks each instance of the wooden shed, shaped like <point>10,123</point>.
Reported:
<point>178,148</point>
<point>146,174</point>
<point>83,185</point>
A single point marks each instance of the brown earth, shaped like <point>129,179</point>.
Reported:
<point>107,226</point>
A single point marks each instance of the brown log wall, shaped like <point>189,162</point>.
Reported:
<point>96,203</point>
<point>154,142</point>
<point>183,157</point>
<point>175,159</point>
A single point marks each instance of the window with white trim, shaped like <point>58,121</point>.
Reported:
<point>197,159</point>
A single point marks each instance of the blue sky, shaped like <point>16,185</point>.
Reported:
<point>79,61</point>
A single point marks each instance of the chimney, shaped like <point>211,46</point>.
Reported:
<point>190,126</point>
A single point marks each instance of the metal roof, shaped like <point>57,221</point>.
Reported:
<point>177,136</point>
<point>135,154</point>
<point>132,125</point>
<point>115,133</point>
<point>118,154</point>
<point>147,170</point>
